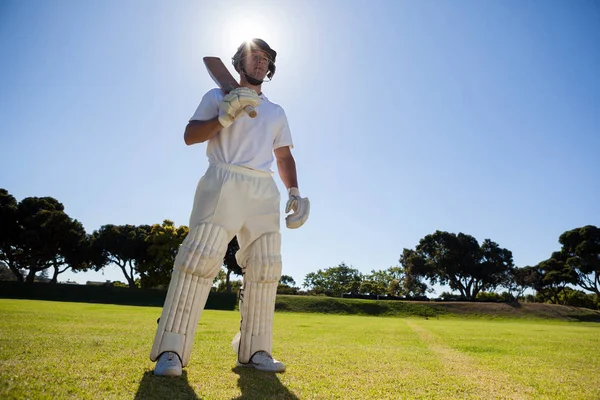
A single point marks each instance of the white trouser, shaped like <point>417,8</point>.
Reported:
<point>243,201</point>
<point>229,201</point>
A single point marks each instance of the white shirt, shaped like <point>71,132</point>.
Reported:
<point>248,142</point>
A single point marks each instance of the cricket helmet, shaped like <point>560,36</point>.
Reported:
<point>236,60</point>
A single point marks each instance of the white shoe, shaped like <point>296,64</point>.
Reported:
<point>263,361</point>
<point>168,364</point>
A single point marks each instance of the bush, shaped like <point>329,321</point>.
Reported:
<point>529,298</point>
<point>285,289</point>
<point>446,296</point>
<point>578,298</point>
<point>489,297</point>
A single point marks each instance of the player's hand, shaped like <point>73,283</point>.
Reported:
<point>234,102</point>
<point>300,206</point>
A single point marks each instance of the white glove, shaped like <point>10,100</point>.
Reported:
<point>300,206</point>
<point>234,102</point>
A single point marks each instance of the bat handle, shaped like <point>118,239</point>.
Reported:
<point>250,111</point>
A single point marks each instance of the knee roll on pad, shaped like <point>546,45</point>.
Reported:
<point>197,263</point>
<point>202,251</point>
<point>262,271</point>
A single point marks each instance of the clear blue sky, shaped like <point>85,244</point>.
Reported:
<point>481,117</point>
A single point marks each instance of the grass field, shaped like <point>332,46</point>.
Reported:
<point>52,350</point>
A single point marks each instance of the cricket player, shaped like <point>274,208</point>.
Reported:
<point>236,196</point>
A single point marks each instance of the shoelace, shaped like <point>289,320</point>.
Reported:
<point>265,354</point>
<point>171,360</point>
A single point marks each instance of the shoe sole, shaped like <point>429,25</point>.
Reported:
<point>169,372</point>
<point>256,367</point>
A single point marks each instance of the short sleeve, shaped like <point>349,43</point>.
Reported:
<point>283,136</point>
<point>209,106</point>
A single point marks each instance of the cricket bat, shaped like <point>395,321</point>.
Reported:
<point>222,77</point>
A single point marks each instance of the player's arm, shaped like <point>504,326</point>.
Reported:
<point>286,165</point>
<point>229,109</point>
<point>201,131</point>
<point>299,205</point>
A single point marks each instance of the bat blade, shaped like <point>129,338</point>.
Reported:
<point>223,78</point>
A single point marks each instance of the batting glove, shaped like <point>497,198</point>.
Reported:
<point>300,207</point>
<point>234,102</point>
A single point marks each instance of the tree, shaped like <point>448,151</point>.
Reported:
<point>163,243</point>
<point>43,236</point>
<point>5,273</point>
<point>73,246</point>
<point>334,281</point>
<point>10,233</point>
<point>230,263</point>
<point>458,261</point>
<point>221,284</point>
<point>42,276</point>
<point>39,218</point>
<point>578,298</point>
<point>581,252</point>
<point>75,252</point>
<point>123,245</point>
<point>413,287</point>
<point>556,275</point>
<point>520,279</point>
<point>287,280</point>
<point>397,283</point>
<point>377,282</point>
<point>287,285</point>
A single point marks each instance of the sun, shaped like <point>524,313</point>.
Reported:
<point>248,27</point>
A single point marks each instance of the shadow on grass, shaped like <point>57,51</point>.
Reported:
<point>261,385</point>
<point>165,387</point>
<point>587,318</point>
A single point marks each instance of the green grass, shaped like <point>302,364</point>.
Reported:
<point>431,309</point>
<point>332,305</point>
<point>53,350</point>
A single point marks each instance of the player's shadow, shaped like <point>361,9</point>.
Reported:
<point>165,387</point>
<point>261,385</point>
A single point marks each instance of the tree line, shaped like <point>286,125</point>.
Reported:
<point>476,271</point>
<point>37,237</point>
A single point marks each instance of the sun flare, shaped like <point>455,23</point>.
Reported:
<point>247,28</point>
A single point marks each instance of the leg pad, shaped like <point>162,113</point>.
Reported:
<point>197,263</point>
<point>262,271</point>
